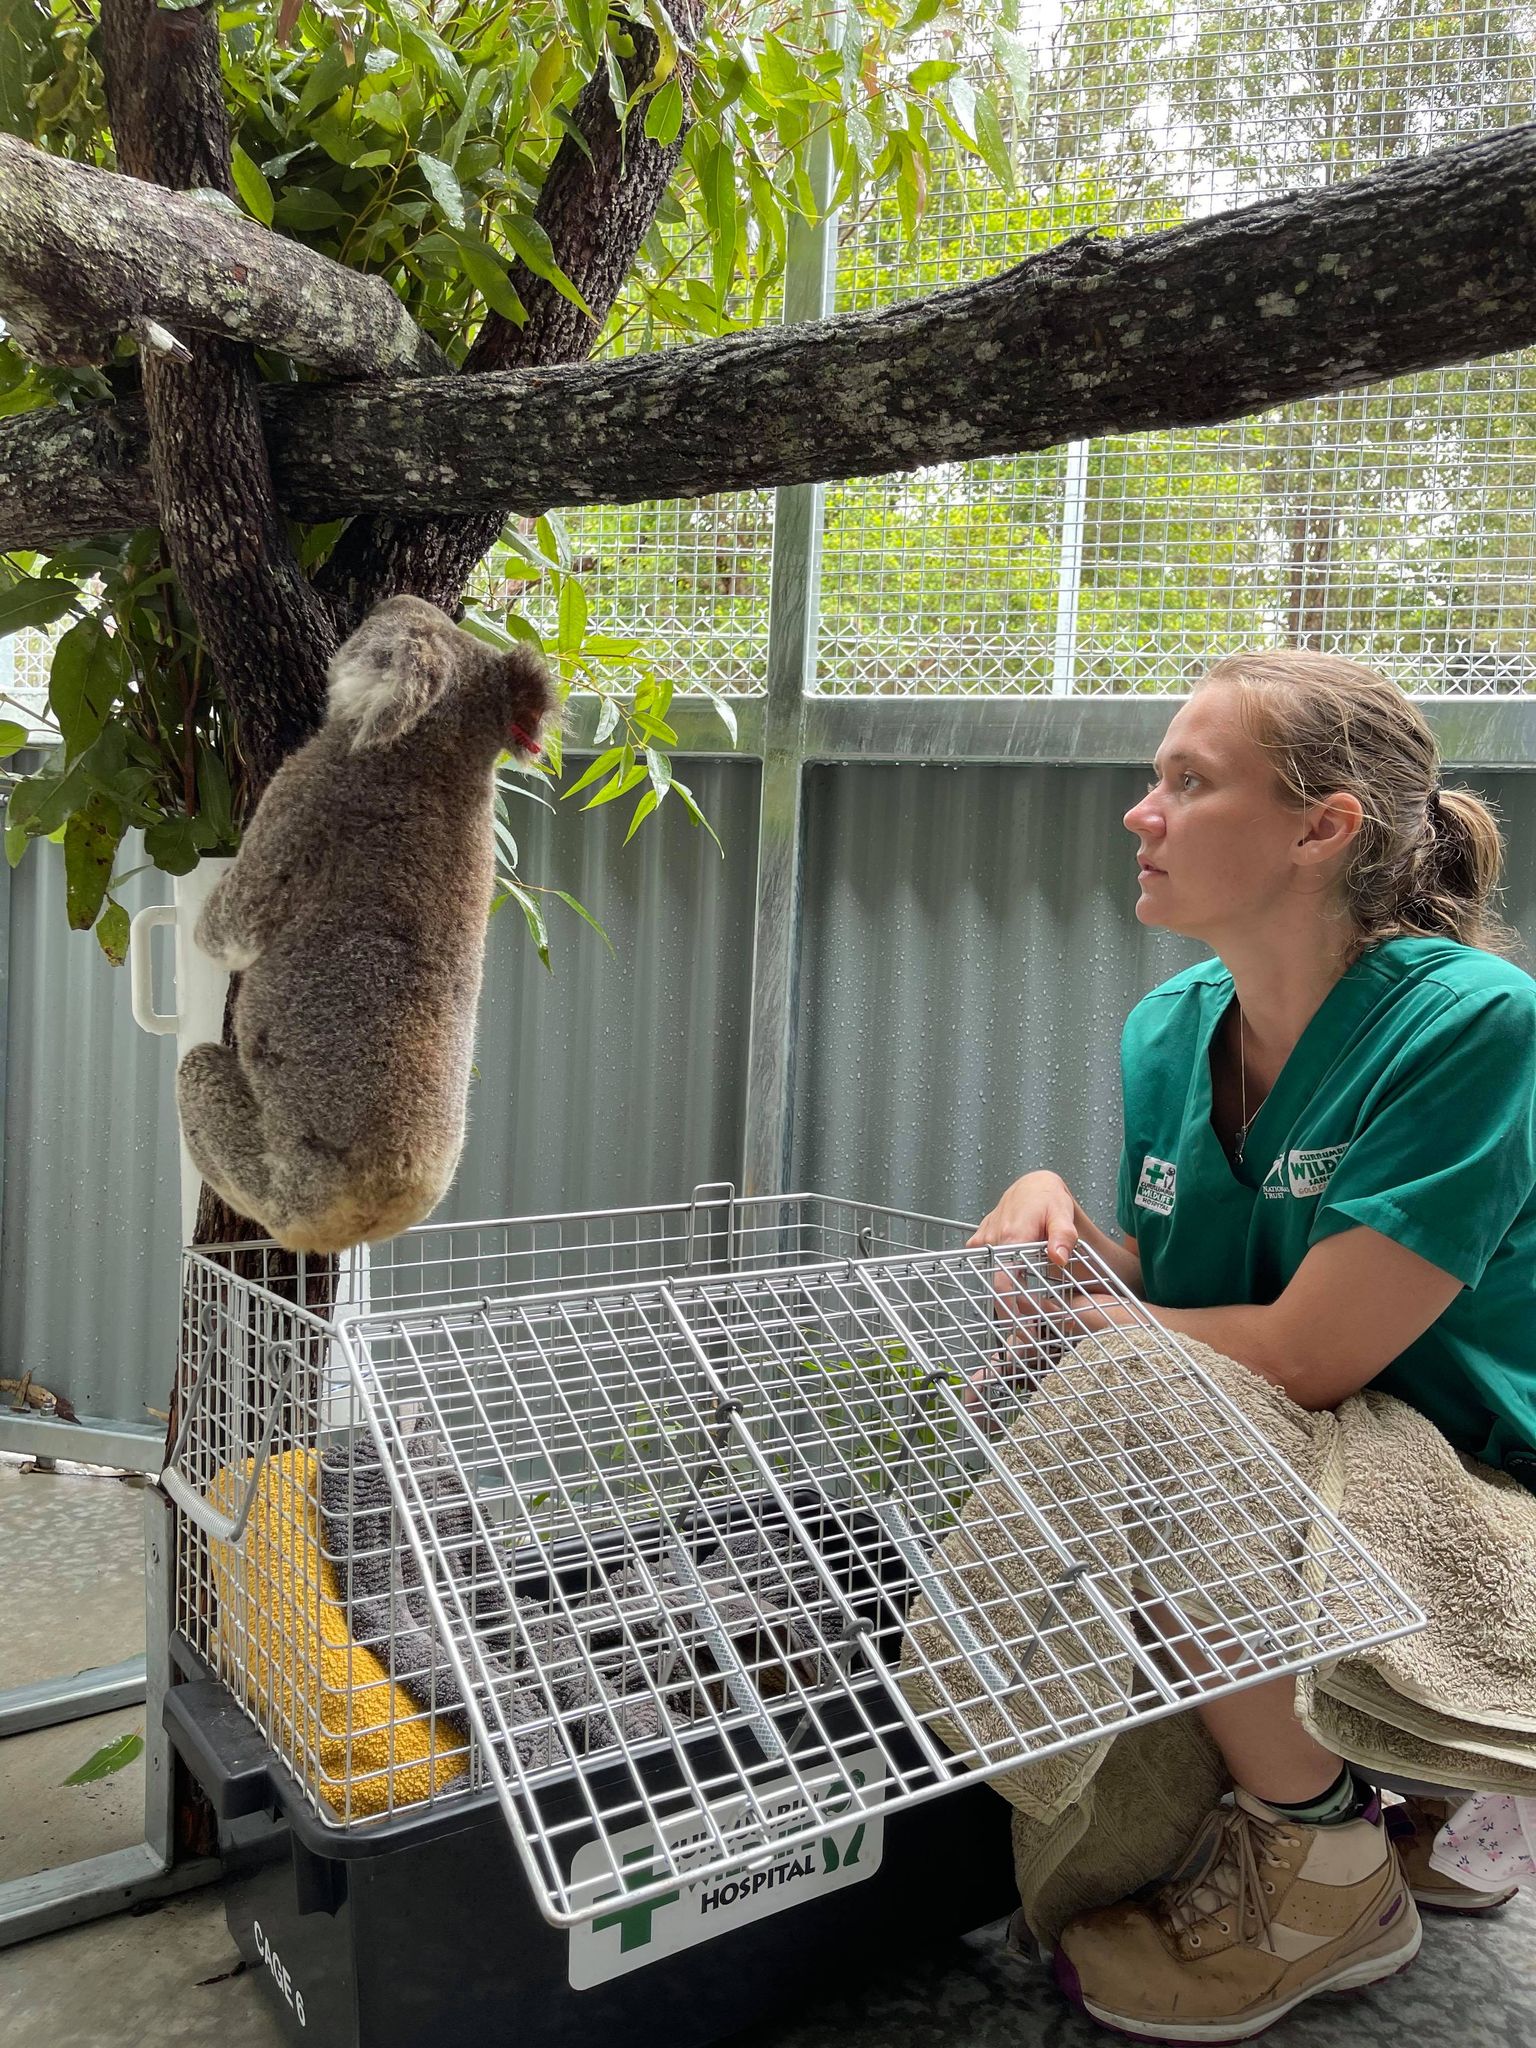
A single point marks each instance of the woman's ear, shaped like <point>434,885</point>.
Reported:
<point>392,671</point>
<point>1333,825</point>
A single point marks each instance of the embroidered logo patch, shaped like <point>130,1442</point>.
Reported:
<point>1154,1190</point>
<point>1310,1172</point>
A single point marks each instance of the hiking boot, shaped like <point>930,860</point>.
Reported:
<point>1262,1914</point>
<point>1413,1827</point>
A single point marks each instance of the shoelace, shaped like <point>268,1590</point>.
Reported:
<point>1222,1869</point>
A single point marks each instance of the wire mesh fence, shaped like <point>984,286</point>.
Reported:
<point>1391,524</point>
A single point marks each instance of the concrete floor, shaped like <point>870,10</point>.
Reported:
<point>71,1596</point>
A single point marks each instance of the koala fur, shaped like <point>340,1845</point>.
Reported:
<point>355,915</point>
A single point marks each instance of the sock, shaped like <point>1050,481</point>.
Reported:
<point>1346,1799</point>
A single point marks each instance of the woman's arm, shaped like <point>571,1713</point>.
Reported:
<point>1356,1302</point>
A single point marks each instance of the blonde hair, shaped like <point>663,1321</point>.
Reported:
<point>1427,861</point>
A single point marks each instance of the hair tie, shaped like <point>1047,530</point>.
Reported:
<point>1432,801</point>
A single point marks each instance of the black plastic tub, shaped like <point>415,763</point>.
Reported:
<point>422,1931</point>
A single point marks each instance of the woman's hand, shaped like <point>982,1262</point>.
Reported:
<point>1038,1209</point>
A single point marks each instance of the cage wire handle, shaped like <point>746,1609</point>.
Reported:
<point>195,1504</point>
<point>710,1194</point>
<point>854,1628</point>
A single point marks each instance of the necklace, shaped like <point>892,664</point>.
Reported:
<point>1241,1138</point>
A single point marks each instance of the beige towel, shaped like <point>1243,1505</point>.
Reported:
<point>1453,1704</point>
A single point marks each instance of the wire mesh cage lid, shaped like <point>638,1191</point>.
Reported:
<point>720,1564</point>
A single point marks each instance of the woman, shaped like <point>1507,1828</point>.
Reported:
<point>1329,1176</point>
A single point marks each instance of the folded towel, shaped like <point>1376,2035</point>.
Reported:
<point>1451,1704</point>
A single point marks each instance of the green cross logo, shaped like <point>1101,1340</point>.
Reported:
<point>634,1922</point>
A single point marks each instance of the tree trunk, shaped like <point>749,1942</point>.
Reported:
<point>267,634</point>
<point>1428,262</point>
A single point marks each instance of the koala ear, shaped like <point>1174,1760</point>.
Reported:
<point>392,671</point>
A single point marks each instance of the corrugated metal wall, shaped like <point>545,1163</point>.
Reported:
<point>969,953</point>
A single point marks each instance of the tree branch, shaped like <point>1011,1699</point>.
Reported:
<point>597,205</point>
<point>85,255</point>
<point>267,634</point>
<point>1431,261</point>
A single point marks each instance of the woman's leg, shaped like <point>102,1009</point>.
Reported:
<point>1265,1747</point>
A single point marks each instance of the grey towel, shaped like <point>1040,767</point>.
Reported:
<point>571,1675</point>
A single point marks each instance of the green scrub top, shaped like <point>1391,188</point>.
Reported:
<point>1408,1105</point>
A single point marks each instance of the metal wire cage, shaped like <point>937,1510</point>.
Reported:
<point>698,1532</point>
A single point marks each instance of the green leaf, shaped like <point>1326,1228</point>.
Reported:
<point>13,738</point>
<point>664,115</point>
<point>171,845</point>
<point>19,812</point>
<point>252,186</point>
<point>582,911</point>
<point>607,719</point>
<point>325,81</point>
<point>33,601</point>
<point>991,142</point>
<point>215,798</point>
<point>114,1757</point>
<point>307,207</point>
<point>962,100</point>
<point>573,616</point>
<point>487,273</point>
<point>696,814</point>
<point>443,186</point>
<point>595,771</point>
<point>112,932</point>
<point>727,713</point>
<point>660,770</point>
<point>530,908</point>
<point>88,668</point>
<point>934,72</point>
<point>621,784</point>
<point>537,252</point>
<point>643,810</point>
<point>91,839</point>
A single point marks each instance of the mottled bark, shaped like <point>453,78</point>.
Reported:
<point>596,206</point>
<point>1425,263</point>
<point>266,633</point>
<point>87,255</point>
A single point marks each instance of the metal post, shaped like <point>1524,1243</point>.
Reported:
<point>1069,569</point>
<point>792,613</point>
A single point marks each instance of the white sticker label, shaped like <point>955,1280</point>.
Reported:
<point>1310,1172</point>
<point>694,1909</point>
<point>1154,1190</point>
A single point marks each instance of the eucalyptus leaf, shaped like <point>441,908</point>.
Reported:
<point>33,601</point>
<point>114,1756</point>
<point>112,932</point>
<point>91,839</point>
<point>443,185</point>
<point>582,912</point>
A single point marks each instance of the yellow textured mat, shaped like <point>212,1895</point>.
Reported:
<point>285,1649</point>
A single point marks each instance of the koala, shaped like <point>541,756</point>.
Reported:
<point>355,915</point>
